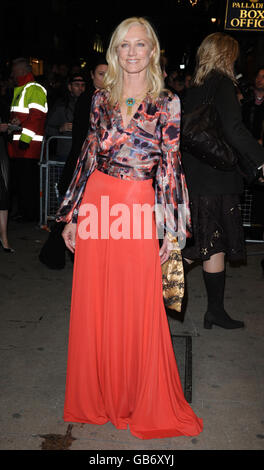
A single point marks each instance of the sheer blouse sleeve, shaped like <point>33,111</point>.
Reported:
<point>86,164</point>
<point>171,194</point>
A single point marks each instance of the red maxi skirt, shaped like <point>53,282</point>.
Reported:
<point>121,363</point>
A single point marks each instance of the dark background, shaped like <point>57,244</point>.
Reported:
<point>66,30</point>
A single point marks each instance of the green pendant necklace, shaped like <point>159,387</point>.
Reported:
<point>130,102</point>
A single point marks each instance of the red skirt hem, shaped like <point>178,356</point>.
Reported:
<point>144,435</point>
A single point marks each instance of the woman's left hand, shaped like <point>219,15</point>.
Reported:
<point>165,250</point>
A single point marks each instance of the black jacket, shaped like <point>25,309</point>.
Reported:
<point>80,126</point>
<point>61,112</point>
<point>200,177</point>
<point>253,117</point>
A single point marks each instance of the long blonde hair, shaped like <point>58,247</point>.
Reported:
<point>218,52</point>
<point>113,79</point>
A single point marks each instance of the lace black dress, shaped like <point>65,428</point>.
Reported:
<point>217,227</point>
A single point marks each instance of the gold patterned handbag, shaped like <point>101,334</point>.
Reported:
<point>173,278</point>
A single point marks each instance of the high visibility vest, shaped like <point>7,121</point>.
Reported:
<point>29,105</point>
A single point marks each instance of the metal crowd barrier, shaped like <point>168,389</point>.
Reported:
<point>249,219</point>
<point>50,172</point>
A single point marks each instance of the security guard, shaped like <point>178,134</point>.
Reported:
<point>27,121</point>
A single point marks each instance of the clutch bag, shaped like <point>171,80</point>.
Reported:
<point>173,280</point>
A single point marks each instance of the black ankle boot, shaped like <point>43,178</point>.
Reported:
<point>216,314</point>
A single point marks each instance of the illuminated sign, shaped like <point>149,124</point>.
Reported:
<point>244,16</point>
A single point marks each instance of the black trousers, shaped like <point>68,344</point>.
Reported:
<point>25,187</point>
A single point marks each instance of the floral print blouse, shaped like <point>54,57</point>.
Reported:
<point>147,148</point>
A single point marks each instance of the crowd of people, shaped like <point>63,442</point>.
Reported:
<point>125,129</point>
<point>32,109</point>
<point>60,88</point>
<point>63,85</point>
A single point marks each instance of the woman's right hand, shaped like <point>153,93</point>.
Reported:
<point>69,235</point>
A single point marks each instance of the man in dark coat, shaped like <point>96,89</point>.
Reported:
<point>253,107</point>
<point>60,118</point>
<point>253,117</point>
<point>53,251</point>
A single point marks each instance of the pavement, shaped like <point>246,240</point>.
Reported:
<point>227,365</point>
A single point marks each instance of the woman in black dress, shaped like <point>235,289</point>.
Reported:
<point>4,179</point>
<point>215,194</point>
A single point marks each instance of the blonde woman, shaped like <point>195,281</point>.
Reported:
<point>121,364</point>
<point>215,194</point>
